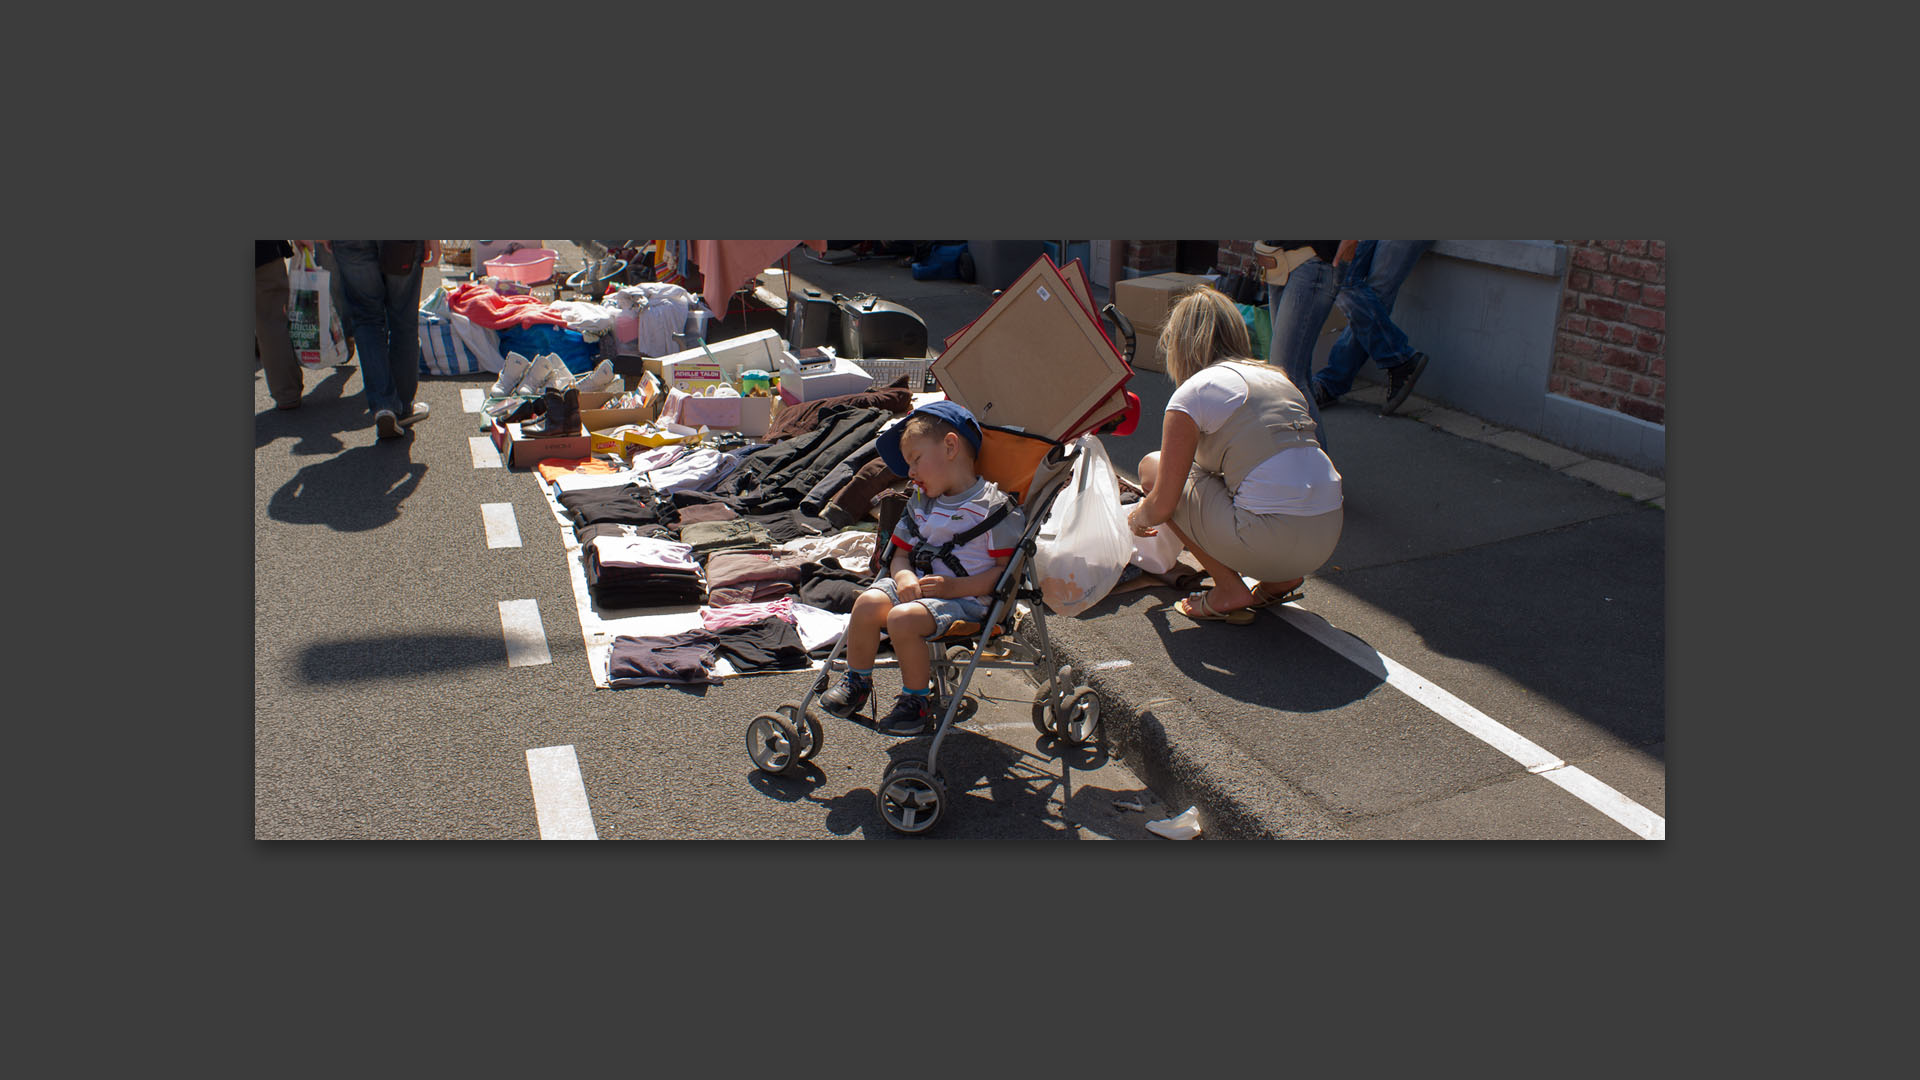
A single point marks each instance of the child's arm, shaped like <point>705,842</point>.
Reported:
<point>954,588</point>
<point>905,582</point>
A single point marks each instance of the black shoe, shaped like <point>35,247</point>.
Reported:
<point>847,698</point>
<point>1400,380</point>
<point>562,416</point>
<point>1321,398</point>
<point>912,714</point>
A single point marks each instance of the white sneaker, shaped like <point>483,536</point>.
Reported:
<point>599,378</point>
<point>511,375</point>
<point>549,373</point>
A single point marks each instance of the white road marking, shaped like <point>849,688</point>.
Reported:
<point>1531,756</point>
<point>559,795</point>
<point>526,637</point>
<point>1003,727</point>
<point>473,399</point>
<point>1109,665</point>
<point>485,454</point>
<point>503,530</point>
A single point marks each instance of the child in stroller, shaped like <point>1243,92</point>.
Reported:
<point>957,534</point>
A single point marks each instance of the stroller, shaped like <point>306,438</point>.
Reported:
<point>912,794</point>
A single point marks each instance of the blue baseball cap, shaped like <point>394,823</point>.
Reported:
<point>888,441</point>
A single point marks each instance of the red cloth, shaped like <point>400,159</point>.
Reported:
<point>729,264</point>
<point>497,312</point>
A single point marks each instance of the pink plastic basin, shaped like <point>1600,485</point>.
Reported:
<point>527,264</point>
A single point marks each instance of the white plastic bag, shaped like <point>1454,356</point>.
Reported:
<point>312,324</point>
<point>1156,554</point>
<point>1084,545</point>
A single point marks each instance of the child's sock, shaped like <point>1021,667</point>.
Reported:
<point>919,693</point>
<point>862,679</point>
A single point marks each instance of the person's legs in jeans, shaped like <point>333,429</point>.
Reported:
<point>285,381</point>
<point>1368,304</point>
<point>403,336</point>
<point>1347,354</point>
<point>1299,312</point>
<point>366,288</point>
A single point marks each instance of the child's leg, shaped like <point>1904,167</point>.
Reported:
<point>863,631</point>
<point>908,625</point>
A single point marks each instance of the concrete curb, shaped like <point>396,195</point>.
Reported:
<point>1186,763</point>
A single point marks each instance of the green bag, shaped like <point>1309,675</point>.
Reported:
<point>1259,328</point>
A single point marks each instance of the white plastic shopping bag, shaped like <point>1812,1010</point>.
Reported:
<point>1084,545</point>
<point>318,340</point>
<point>1156,554</point>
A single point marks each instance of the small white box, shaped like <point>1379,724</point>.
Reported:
<point>821,380</point>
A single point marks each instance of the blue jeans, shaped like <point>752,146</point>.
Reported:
<point>1366,296</point>
<point>1300,311</point>
<point>386,325</point>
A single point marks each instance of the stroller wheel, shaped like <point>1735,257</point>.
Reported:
<point>1081,719</point>
<point>969,705</point>
<point>911,799</point>
<point>807,726</point>
<point>773,744</point>
<point>1046,720</point>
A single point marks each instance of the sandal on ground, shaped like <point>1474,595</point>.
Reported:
<point>1263,598</point>
<point>1195,606</point>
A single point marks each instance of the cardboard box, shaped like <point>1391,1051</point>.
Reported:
<point>1146,301</point>
<point>747,415</point>
<point>594,417</point>
<point>693,373</point>
<point>525,453</point>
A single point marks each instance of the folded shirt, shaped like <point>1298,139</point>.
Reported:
<point>643,553</point>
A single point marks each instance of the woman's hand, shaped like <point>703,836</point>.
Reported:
<point>1137,521</point>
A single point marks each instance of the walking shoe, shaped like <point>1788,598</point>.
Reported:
<point>912,714</point>
<point>386,425</point>
<point>511,375</point>
<point>549,374</point>
<point>414,416</point>
<point>598,379</point>
<point>1400,380</point>
<point>1321,398</point>
<point>562,416</point>
<point>846,698</point>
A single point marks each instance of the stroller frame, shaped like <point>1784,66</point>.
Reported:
<point>912,793</point>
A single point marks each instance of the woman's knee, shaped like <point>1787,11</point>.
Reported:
<point>1149,470</point>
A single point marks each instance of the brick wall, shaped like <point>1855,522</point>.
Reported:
<point>1150,256</point>
<point>1611,345</point>
<point>1235,256</point>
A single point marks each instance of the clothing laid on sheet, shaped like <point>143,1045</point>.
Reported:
<point>1297,480</point>
<point>854,545</point>
<point>690,515</point>
<point>768,645</point>
<point>727,569</point>
<point>831,586</point>
<point>587,533</point>
<point>752,592</point>
<point>629,505</point>
<point>940,520</point>
<point>679,659</point>
<point>711,536</point>
<point>643,554</point>
<point>805,416</point>
<point>731,615</point>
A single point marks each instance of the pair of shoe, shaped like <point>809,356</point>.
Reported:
<point>536,376</point>
<point>1400,380</point>
<point>387,426</point>
<point>561,415</point>
<point>912,714</point>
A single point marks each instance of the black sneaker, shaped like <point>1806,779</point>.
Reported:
<point>912,714</point>
<point>1400,380</point>
<point>846,699</point>
<point>1321,398</point>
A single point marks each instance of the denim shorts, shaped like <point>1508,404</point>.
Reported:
<point>945,612</point>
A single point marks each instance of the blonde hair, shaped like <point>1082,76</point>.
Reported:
<point>1202,329</point>
<point>922,425</point>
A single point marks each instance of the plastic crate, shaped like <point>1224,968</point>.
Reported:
<point>885,371</point>
<point>531,265</point>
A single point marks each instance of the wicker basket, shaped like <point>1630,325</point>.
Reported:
<point>885,371</point>
<point>456,252</point>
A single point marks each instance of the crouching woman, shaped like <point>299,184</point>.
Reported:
<point>1239,476</point>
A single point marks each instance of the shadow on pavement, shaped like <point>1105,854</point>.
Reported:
<point>324,411</point>
<point>398,656</point>
<point>353,491</point>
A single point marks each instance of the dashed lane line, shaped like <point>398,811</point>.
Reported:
<point>503,530</point>
<point>1643,822</point>
<point>526,637</point>
<point>559,794</point>
<point>485,454</point>
<point>473,399</point>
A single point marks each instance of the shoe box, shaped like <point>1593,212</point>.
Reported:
<point>524,453</point>
<point>813,374</point>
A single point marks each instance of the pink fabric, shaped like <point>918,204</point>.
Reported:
<point>723,618</point>
<point>729,264</point>
<point>484,307</point>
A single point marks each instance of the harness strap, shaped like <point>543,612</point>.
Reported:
<point>923,552</point>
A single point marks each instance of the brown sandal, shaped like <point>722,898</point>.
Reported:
<point>1203,611</point>
<point>1292,591</point>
